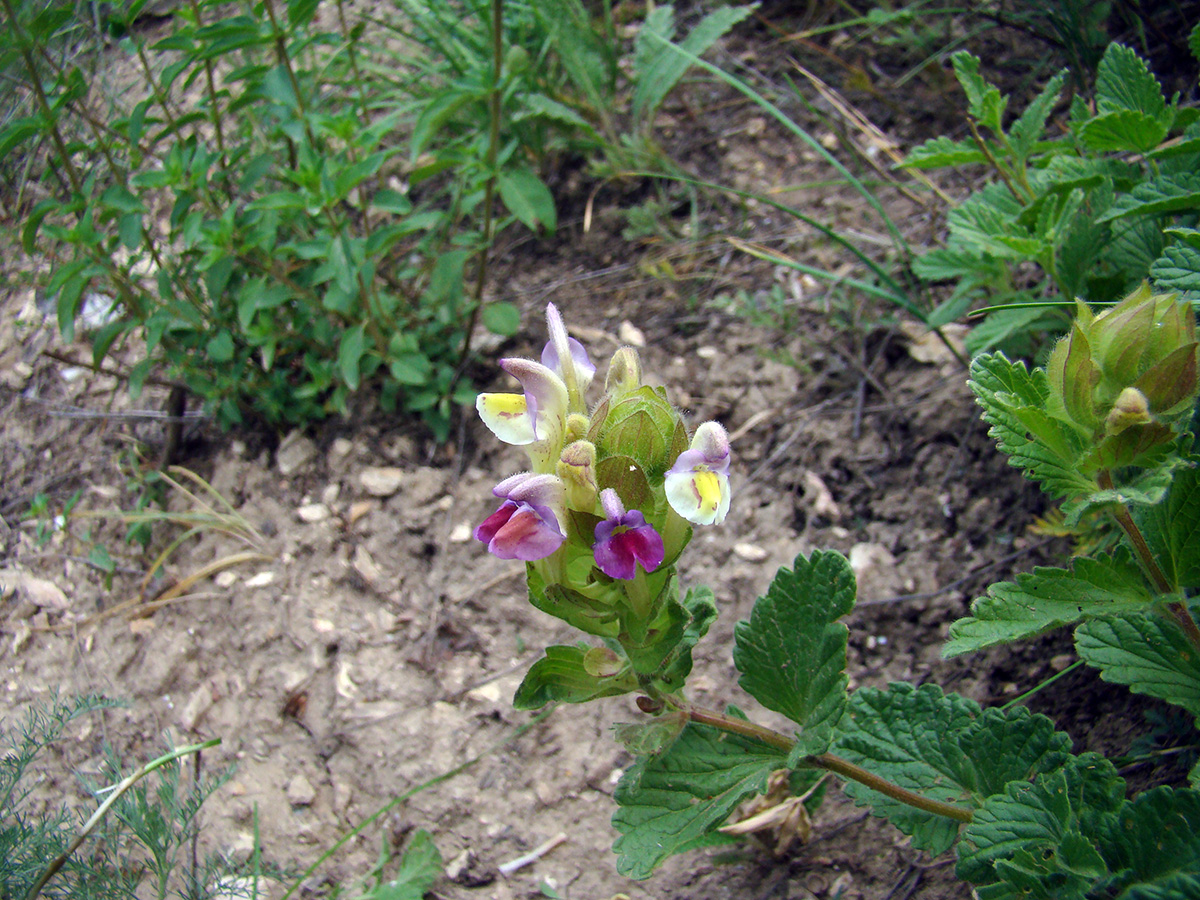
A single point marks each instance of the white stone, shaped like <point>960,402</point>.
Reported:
<point>300,791</point>
<point>294,453</point>
<point>381,481</point>
<point>750,552</point>
<point>313,512</point>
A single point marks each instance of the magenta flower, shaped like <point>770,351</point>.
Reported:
<point>624,539</point>
<point>526,526</point>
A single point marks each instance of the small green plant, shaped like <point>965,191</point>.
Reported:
<point>608,508</point>
<point>135,832</point>
<point>1088,214</point>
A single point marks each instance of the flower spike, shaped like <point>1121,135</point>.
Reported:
<point>697,485</point>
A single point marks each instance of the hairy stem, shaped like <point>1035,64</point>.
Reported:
<point>828,762</point>
<point>1145,556</point>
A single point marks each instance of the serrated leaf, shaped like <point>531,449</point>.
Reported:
<point>658,67</point>
<point>701,606</point>
<point>1024,133</point>
<point>419,869</point>
<point>942,746</point>
<point>1157,196</point>
<point>1123,82</point>
<point>1155,843</point>
<point>986,103</point>
<point>1050,598</point>
<point>1147,652</point>
<point>1043,835</point>
<point>1172,528</point>
<point>792,652</point>
<point>1123,131</point>
<point>987,221</point>
<point>1005,325</point>
<point>528,198</point>
<point>943,151</point>
<point>1013,399</point>
<point>1178,268</point>
<point>674,801</point>
<point>561,675</point>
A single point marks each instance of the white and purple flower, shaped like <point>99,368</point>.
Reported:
<point>625,539</point>
<point>697,485</point>
<point>527,526</point>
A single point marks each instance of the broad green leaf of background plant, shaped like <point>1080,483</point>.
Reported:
<point>941,152</point>
<point>528,198</point>
<point>792,652</point>
<point>1024,133</point>
<point>1013,400</point>
<point>419,869</point>
<point>1158,196</point>
<point>501,318</point>
<point>675,801</point>
<point>1154,846</point>
<point>942,746</point>
<point>1039,840</point>
<point>1146,651</point>
<point>1178,268</point>
<point>1124,82</point>
<point>561,675</point>
<point>1051,598</point>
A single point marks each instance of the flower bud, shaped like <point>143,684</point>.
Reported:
<point>1128,367</point>
<point>577,469</point>
<point>624,372</point>
<point>642,425</point>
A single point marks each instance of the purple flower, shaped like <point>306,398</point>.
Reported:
<point>624,539</point>
<point>526,526</point>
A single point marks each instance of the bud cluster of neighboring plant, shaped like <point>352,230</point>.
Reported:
<point>606,511</point>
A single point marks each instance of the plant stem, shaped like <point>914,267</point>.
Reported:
<point>117,792</point>
<point>489,189</point>
<point>1145,556</point>
<point>826,761</point>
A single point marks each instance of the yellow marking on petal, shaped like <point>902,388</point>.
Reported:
<point>507,415</point>
<point>708,489</point>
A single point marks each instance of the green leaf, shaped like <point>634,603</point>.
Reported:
<point>675,801</point>
<point>658,67</point>
<point>940,152</point>
<point>1123,131</point>
<point>561,675</point>
<point>701,607</point>
<point>986,104</point>
<point>419,869</point>
<point>1041,838</point>
<point>391,201</point>
<point>300,12</point>
<point>792,652</point>
<point>1178,269</point>
<point>1172,528</point>
<point>1123,82</point>
<point>943,747</point>
<point>1025,132</point>
<point>1004,325</point>
<point>1013,400</point>
<point>34,222</point>
<point>1155,844</point>
<point>411,368</point>
<point>1157,196</point>
<point>220,347</point>
<point>121,199</point>
<point>539,106</point>
<point>501,318</point>
<point>350,354</point>
<point>528,198</point>
<point>1050,598</point>
<point>1147,652</point>
<point>1194,41</point>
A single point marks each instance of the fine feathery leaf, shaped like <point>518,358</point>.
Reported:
<point>1024,133</point>
<point>792,652</point>
<point>419,869</point>
<point>1155,844</point>
<point>1043,836</point>
<point>1051,598</point>
<point>675,801</point>
<point>940,152</point>
<point>1147,652</point>
<point>985,101</point>
<point>1013,399</point>
<point>944,747</point>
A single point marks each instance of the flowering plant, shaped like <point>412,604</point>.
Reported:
<point>608,506</point>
